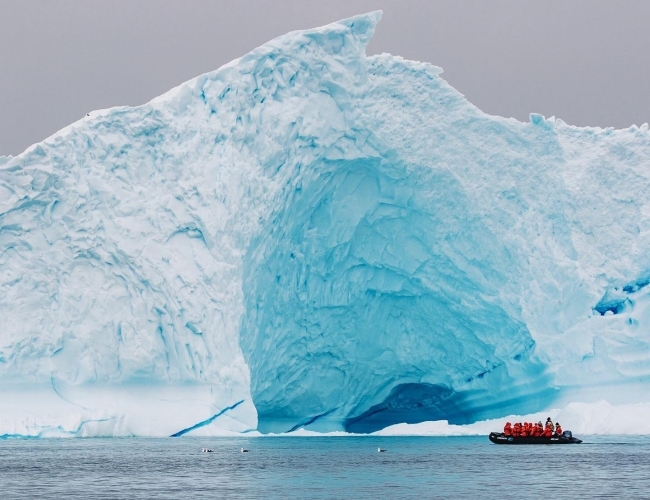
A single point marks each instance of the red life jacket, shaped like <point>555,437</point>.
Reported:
<point>558,430</point>
<point>507,430</point>
<point>548,432</point>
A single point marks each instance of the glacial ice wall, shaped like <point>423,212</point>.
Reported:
<point>310,237</point>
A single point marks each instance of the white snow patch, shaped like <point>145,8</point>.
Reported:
<point>600,418</point>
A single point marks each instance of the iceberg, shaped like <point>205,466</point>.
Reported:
<point>310,237</point>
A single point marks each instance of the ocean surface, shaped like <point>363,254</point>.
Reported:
<point>322,467</point>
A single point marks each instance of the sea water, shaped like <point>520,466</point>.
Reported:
<point>322,467</point>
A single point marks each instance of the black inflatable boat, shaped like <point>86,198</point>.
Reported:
<point>565,438</point>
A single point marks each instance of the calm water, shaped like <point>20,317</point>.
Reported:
<point>309,467</point>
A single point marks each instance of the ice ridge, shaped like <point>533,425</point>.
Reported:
<point>335,241</point>
<point>206,422</point>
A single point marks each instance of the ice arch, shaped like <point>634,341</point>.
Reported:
<point>370,304</point>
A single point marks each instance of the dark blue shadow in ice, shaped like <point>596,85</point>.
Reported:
<point>208,421</point>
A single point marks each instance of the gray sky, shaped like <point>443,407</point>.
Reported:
<point>586,62</point>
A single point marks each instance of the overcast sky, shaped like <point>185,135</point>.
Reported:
<point>585,61</point>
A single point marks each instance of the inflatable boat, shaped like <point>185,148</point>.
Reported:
<point>565,438</point>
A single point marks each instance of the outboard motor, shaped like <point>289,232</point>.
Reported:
<point>567,434</point>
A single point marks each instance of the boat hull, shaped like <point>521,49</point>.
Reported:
<point>500,438</point>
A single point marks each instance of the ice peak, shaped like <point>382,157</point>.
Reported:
<point>344,39</point>
<point>356,31</point>
<point>362,27</point>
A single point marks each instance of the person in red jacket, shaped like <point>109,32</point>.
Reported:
<point>524,430</point>
<point>548,431</point>
<point>549,423</point>
<point>507,429</point>
<point>516,429</point>
<point>558,428</point>
<point>537,430</point>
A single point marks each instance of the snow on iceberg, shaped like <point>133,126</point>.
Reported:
<point>597,418</point>
<point>311,237</point>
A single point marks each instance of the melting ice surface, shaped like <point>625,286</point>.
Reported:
<point>311,237</point>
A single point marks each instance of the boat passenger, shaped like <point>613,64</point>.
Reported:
<point>516,429</point>
<point>548,431</point>
<point>537,430</point>
<point>558,428</point>
<point>549,422</point>
<point>507,429</point>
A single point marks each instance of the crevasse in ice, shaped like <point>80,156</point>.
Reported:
<point>311,237</point>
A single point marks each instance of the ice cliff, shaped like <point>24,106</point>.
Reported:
<point>311,237</point>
